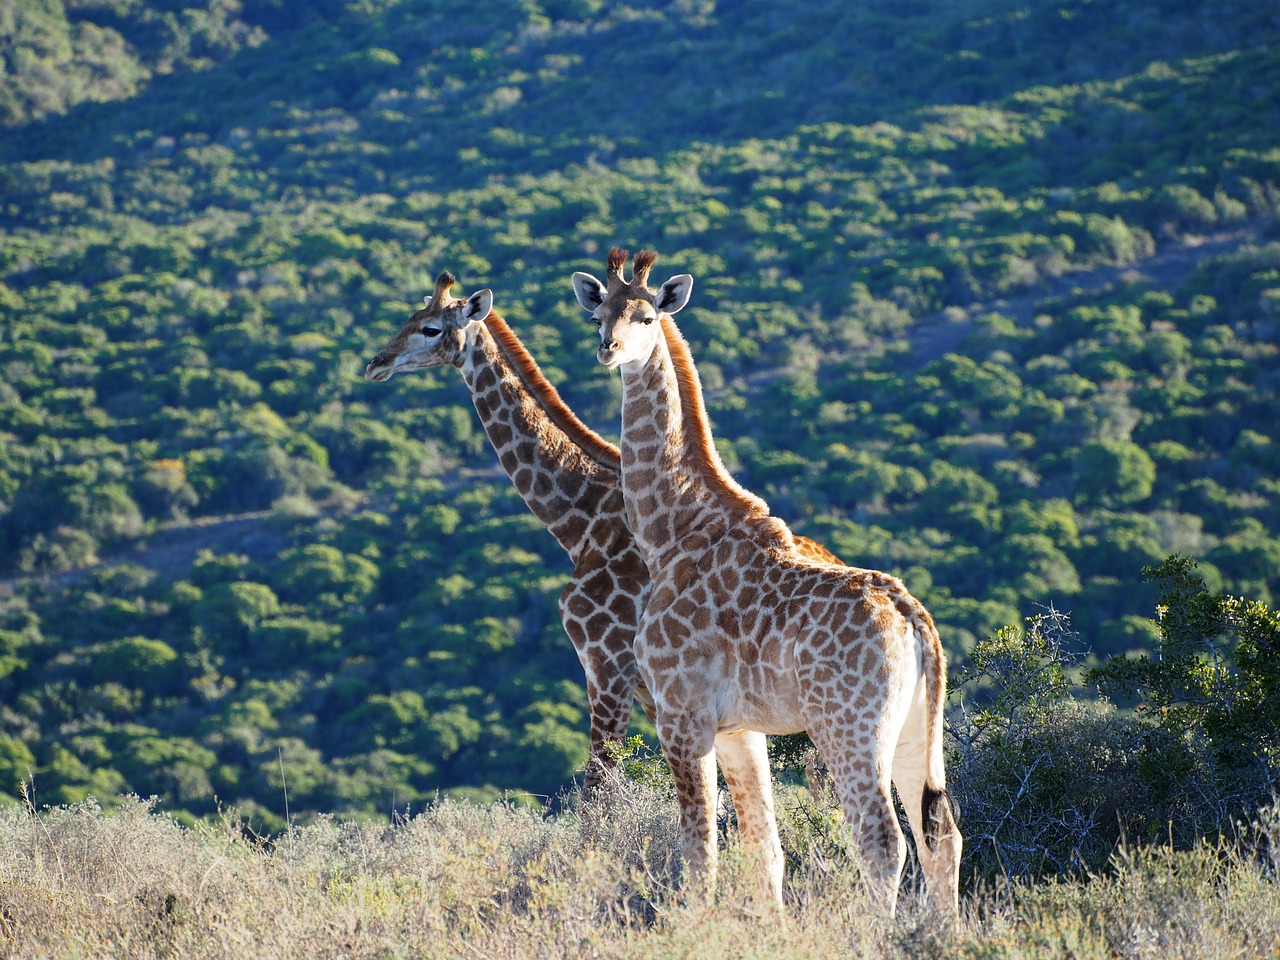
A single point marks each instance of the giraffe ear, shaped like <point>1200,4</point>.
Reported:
<point>479,304</point>
<point>590,291</point>
<point>674,294</point>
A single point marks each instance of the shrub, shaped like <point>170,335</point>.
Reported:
<point>1114,473</point>
<point>1032,766</point>
<point>1050,780</point>
<point>500,880</point>
<point>1215,683</point>
<point>149,665</point>
<point>17,763</point>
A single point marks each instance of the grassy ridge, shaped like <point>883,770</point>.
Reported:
<point>458,880</point>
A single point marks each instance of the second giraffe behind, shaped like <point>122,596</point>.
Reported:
<point>738,633</point>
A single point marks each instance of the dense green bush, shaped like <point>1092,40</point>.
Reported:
<point>1214,679</point>
<point>1049,779</point>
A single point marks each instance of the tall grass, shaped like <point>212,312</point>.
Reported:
<point>499,881</point>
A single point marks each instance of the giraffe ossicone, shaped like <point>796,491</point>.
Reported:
<point>742,636</point>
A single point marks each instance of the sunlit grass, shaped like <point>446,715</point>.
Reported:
<point>497,880</point>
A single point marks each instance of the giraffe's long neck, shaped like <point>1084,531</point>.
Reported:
<point>673,478</point>
<point>565,472</point>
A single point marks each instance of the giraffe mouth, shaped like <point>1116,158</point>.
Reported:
<point>379,370</point>
<point>609,359</point>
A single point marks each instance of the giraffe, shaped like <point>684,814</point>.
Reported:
<point>568,476</point>
<point>742,636</point>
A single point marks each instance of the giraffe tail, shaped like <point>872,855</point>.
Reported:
<point>936,803</point>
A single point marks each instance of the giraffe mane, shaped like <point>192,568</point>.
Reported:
<point>705,457</point>
<point>548,397</point>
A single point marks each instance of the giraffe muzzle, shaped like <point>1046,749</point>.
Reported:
<point>380,368</point>
<point>608,354</point>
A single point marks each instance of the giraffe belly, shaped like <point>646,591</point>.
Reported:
<point>763,692</point>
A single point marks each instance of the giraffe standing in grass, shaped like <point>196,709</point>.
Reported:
<point>741,637</point>
<point>568,476</point>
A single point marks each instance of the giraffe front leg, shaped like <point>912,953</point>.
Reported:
<point>744,757</point>
<point>690,752</point>
<point>612,675</point>
<point>610,705</point>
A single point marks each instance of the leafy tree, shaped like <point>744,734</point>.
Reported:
<point>451,730</point>
<point>1037,566</point>
<point>326,577</point>
<point>1114,473</point>
<point>174,768</point>
<point>162,491</point>
<point>1216,674</point>
<point>148,664</point>
<point>245,725</point>
<point>236,609</point>
<point>294,772</point>
<point>64,777</point>
<point>553,744</point>
<point>13,652</point>
<point>281,643</point>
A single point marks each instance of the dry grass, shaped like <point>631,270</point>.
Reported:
<point>496,881</point>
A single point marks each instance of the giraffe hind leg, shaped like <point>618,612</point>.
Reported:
<point>863,788</point>
<point>744,758</point>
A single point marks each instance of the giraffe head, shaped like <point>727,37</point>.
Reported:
<point>434,335</point>
<point>625,311</point>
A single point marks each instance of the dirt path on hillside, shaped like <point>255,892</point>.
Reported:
<point>940,333</point>
<point>172,549</point>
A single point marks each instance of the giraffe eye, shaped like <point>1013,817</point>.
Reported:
<point>646,320</point>
<point>431,331</point>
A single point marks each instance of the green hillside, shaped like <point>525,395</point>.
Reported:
<point>986,295</point>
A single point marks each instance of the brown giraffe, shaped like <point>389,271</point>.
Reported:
<point>740,636</point>
<point>566,474</point>
<point>569,477</point>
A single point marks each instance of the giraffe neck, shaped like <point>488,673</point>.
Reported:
<point>673,478</point>
<point>566,474</point>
